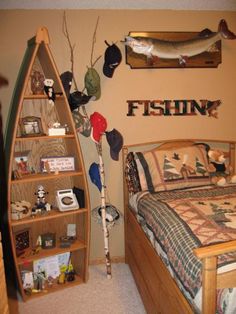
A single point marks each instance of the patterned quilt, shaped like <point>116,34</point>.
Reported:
<point>186,219</point>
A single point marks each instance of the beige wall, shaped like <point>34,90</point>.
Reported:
<point>16,27</point>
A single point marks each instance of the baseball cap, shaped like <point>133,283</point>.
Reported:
<point>115,141</point>
<point>112,59</point>
<point>77,99</point>
<point>113,215</point>
<point>95,175</point>
<point>92,83</point>
<point>82,123</point>
<point>66,79</point>
<point>98,124</point>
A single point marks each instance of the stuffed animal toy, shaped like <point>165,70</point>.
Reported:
<point>49,90</point>
<point>220,173</point>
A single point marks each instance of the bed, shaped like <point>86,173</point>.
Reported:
<point>180,229</point>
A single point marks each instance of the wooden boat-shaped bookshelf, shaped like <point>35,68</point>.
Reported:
<point>45,228</point>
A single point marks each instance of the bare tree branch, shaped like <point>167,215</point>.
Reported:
<point>98,145</point>
<point>93,44</point>
<point>66,33</point>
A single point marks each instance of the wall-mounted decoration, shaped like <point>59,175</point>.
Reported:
<point>176,49</point>
<point>184,107</point>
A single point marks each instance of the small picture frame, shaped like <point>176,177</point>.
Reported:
<point>48,240</point>
<point>22,167</point>
<point>22,240</point>
<point>71,230</point>
<point>31,126</point>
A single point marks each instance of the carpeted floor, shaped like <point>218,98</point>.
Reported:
<point>100,295</point>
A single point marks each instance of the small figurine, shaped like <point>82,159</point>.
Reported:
<point>41,195</point>
<point>49,90</point>
<point>41,204</point>
<point>70,276</point>
<point>50,281</point>
<point>62,278</point>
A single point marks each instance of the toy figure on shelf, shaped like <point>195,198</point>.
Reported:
<point>49,90</point>
<point>41,204</point>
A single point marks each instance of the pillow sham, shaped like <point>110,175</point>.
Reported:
<point>131,174</point>
<point>172,168</point>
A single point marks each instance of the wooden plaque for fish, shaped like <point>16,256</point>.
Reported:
<point>207,59</point>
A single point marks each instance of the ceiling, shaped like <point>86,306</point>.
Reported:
<point>219,5</point>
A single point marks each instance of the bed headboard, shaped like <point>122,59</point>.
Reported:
<point>226,146</point>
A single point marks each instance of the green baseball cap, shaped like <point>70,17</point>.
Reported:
<point>92,83</point>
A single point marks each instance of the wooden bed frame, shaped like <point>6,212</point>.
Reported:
<point>159,292</point>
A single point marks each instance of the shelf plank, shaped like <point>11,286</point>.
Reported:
<point>54,288</point>
<point>53,214</point>
<point>45,176</point>
<point>40,96</point>
<point>24,260</point>
<point>44,137</point>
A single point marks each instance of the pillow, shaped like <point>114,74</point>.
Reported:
<point>172,168</point>
<point>131,174</point>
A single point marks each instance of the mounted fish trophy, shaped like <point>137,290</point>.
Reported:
<point>176,49</point>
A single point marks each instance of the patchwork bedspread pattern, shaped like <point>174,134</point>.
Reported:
<point>187,219</point>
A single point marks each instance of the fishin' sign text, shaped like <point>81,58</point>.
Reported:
<point>174,107</point>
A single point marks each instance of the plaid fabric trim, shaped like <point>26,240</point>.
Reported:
<point>196,193</point>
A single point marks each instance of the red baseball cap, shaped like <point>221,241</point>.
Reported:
<point>98,124</point>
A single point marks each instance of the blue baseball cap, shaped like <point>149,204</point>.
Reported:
<point>95,175</point>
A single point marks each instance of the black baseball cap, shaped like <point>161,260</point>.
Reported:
<point>112,59</point>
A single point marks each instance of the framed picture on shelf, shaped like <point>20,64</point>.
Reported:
<point>22,240</point>
<point>31,126</point>
<point>21,160</point>
<point>48,240</point>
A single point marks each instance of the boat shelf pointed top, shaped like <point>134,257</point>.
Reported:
<point>42,35</point>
